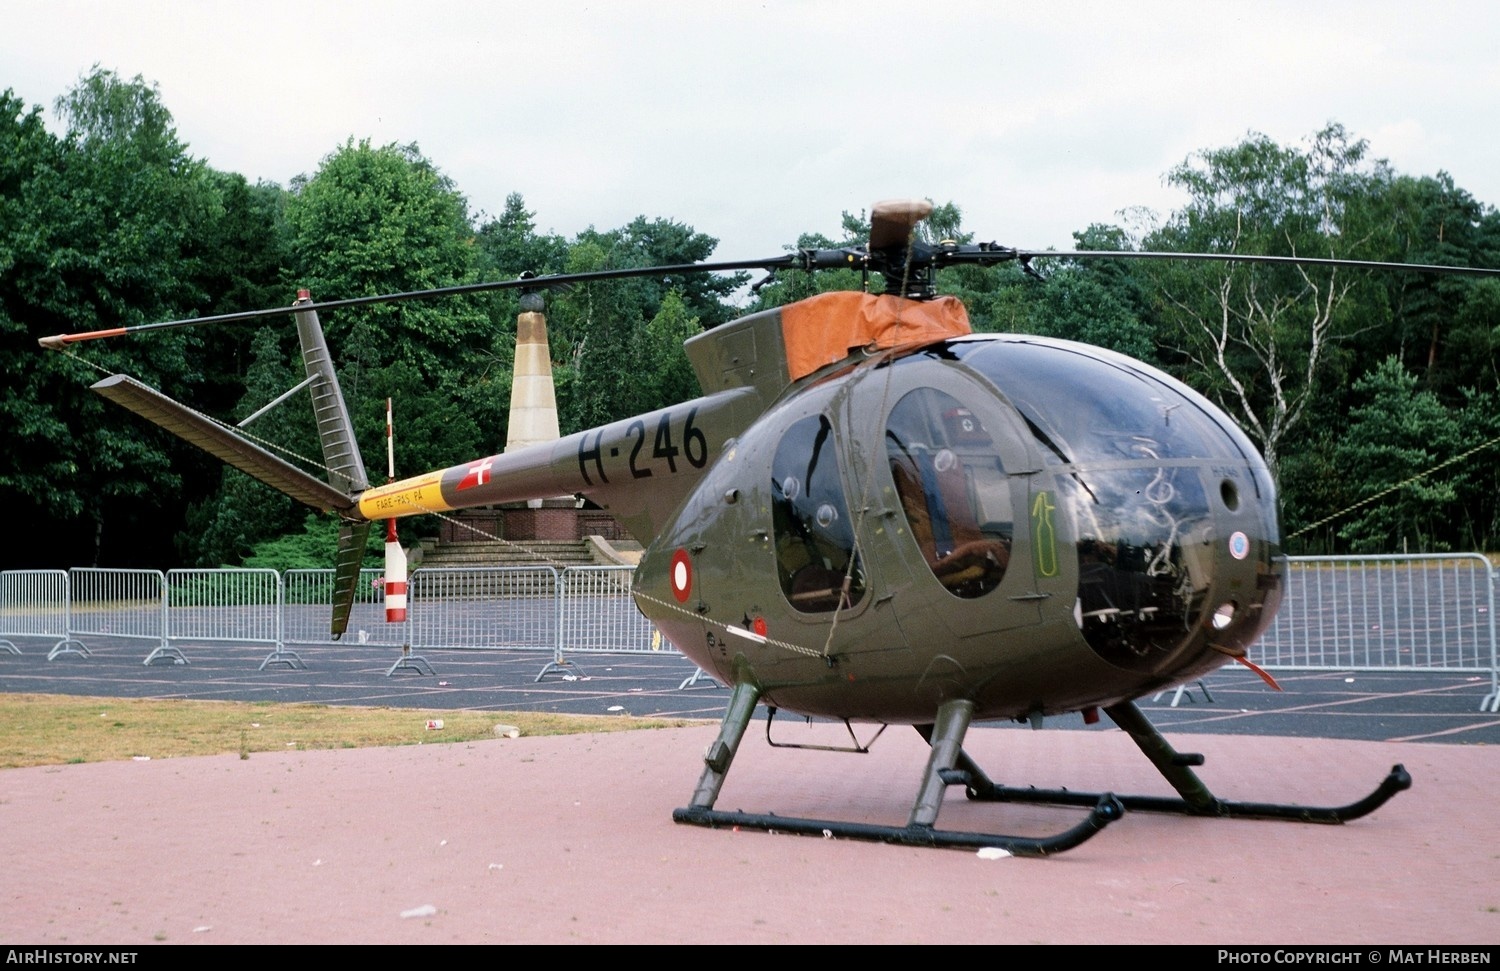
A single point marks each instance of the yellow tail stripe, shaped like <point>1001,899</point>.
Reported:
<point>409,497</point>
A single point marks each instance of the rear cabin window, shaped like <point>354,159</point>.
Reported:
<point>815,555</point>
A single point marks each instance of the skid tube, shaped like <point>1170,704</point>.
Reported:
<point>945,736</point>
<point>1174,766</point>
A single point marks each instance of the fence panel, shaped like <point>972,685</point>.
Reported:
<point>1430,612</point>
<point>1364,613</point>
<point>242,606</point>
<point>106,603</point>
<point>33,603</point>
<point>485,608</point>
<point>599,615</point>
<point>307,596</point>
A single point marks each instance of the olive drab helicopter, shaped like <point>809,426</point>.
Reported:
<point>873,515</point>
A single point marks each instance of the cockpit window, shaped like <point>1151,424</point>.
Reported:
<point>1086,409</point>
<point>953,490</point>
<point>815,555</point>
<point>1144,564</point>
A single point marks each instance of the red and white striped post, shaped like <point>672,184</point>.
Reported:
<point>395,556</point>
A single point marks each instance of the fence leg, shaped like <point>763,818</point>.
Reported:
<point>68,645</point>
<point>409,662</point>
<point>1182,690</point>
<point>282,656</point>
<point>699,675</point>
<point>560,665</point>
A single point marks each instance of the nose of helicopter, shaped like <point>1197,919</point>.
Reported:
<point>1170,508</point>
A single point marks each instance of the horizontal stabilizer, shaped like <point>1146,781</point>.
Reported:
<point>222,442</point>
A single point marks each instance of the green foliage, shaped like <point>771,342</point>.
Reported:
<point>1443,327</point>
<point>790,286</point>
<point>1078,305</point>
<point>313,548</point>
<point>611,359</point>
<point>227,525</point>
<point>662,363</point>
<point>1262,339</point>
<point>1395,435</point>
<point>1477,476</point>
<point>385,220</point>
<point>510,247</point>
<point>111,225</point>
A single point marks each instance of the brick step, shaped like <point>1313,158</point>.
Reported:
<point>529,553</point>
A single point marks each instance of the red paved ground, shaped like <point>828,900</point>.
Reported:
<point>570,840</point>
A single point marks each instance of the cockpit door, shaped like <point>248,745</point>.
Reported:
<point>950,494</point>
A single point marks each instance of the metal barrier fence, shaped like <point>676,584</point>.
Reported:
<point>599,614</point>
<point>240,606</point>
<point>33,603</point>
<point>1382,613</point>
<point>573,611</point>
<point>1363,613</point>
<point>308,605</point>
<point>116,603</point>
<point>494,608</point>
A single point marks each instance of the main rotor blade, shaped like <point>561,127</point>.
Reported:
<point>891,226</point>
<point>1026,256</point>
<point>58,341</point>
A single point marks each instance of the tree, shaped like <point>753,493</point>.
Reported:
<point>666,375</point>
<point>242,513</point>
<point>593,328</point>
<point>1396,436</point>
<point>1261,339</point>
<point>1477,477</point>
<point>599,328</point>
<point>104,227</point>
<point>386,220</point>
<point>33,467</point>
<point>789,286</point>
<point>665,242</point>
<point>1443,325</point>
<point>510,246</point>
<point>1075,305</point>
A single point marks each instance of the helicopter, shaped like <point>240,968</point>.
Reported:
<point>875,516</point>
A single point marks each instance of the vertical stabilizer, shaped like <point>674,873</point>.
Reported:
<point>346,471</point>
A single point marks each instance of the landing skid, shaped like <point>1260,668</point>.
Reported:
<point>948,765</point>
<point>946,738</point>
<point>1174,766</point>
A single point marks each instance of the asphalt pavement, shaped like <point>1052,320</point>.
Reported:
<point>1405,706</point>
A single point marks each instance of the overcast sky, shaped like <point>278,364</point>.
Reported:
<point>756,121</point>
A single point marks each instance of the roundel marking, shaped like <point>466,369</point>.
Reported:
<point>682,576</point>
<point>1239,545</point>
